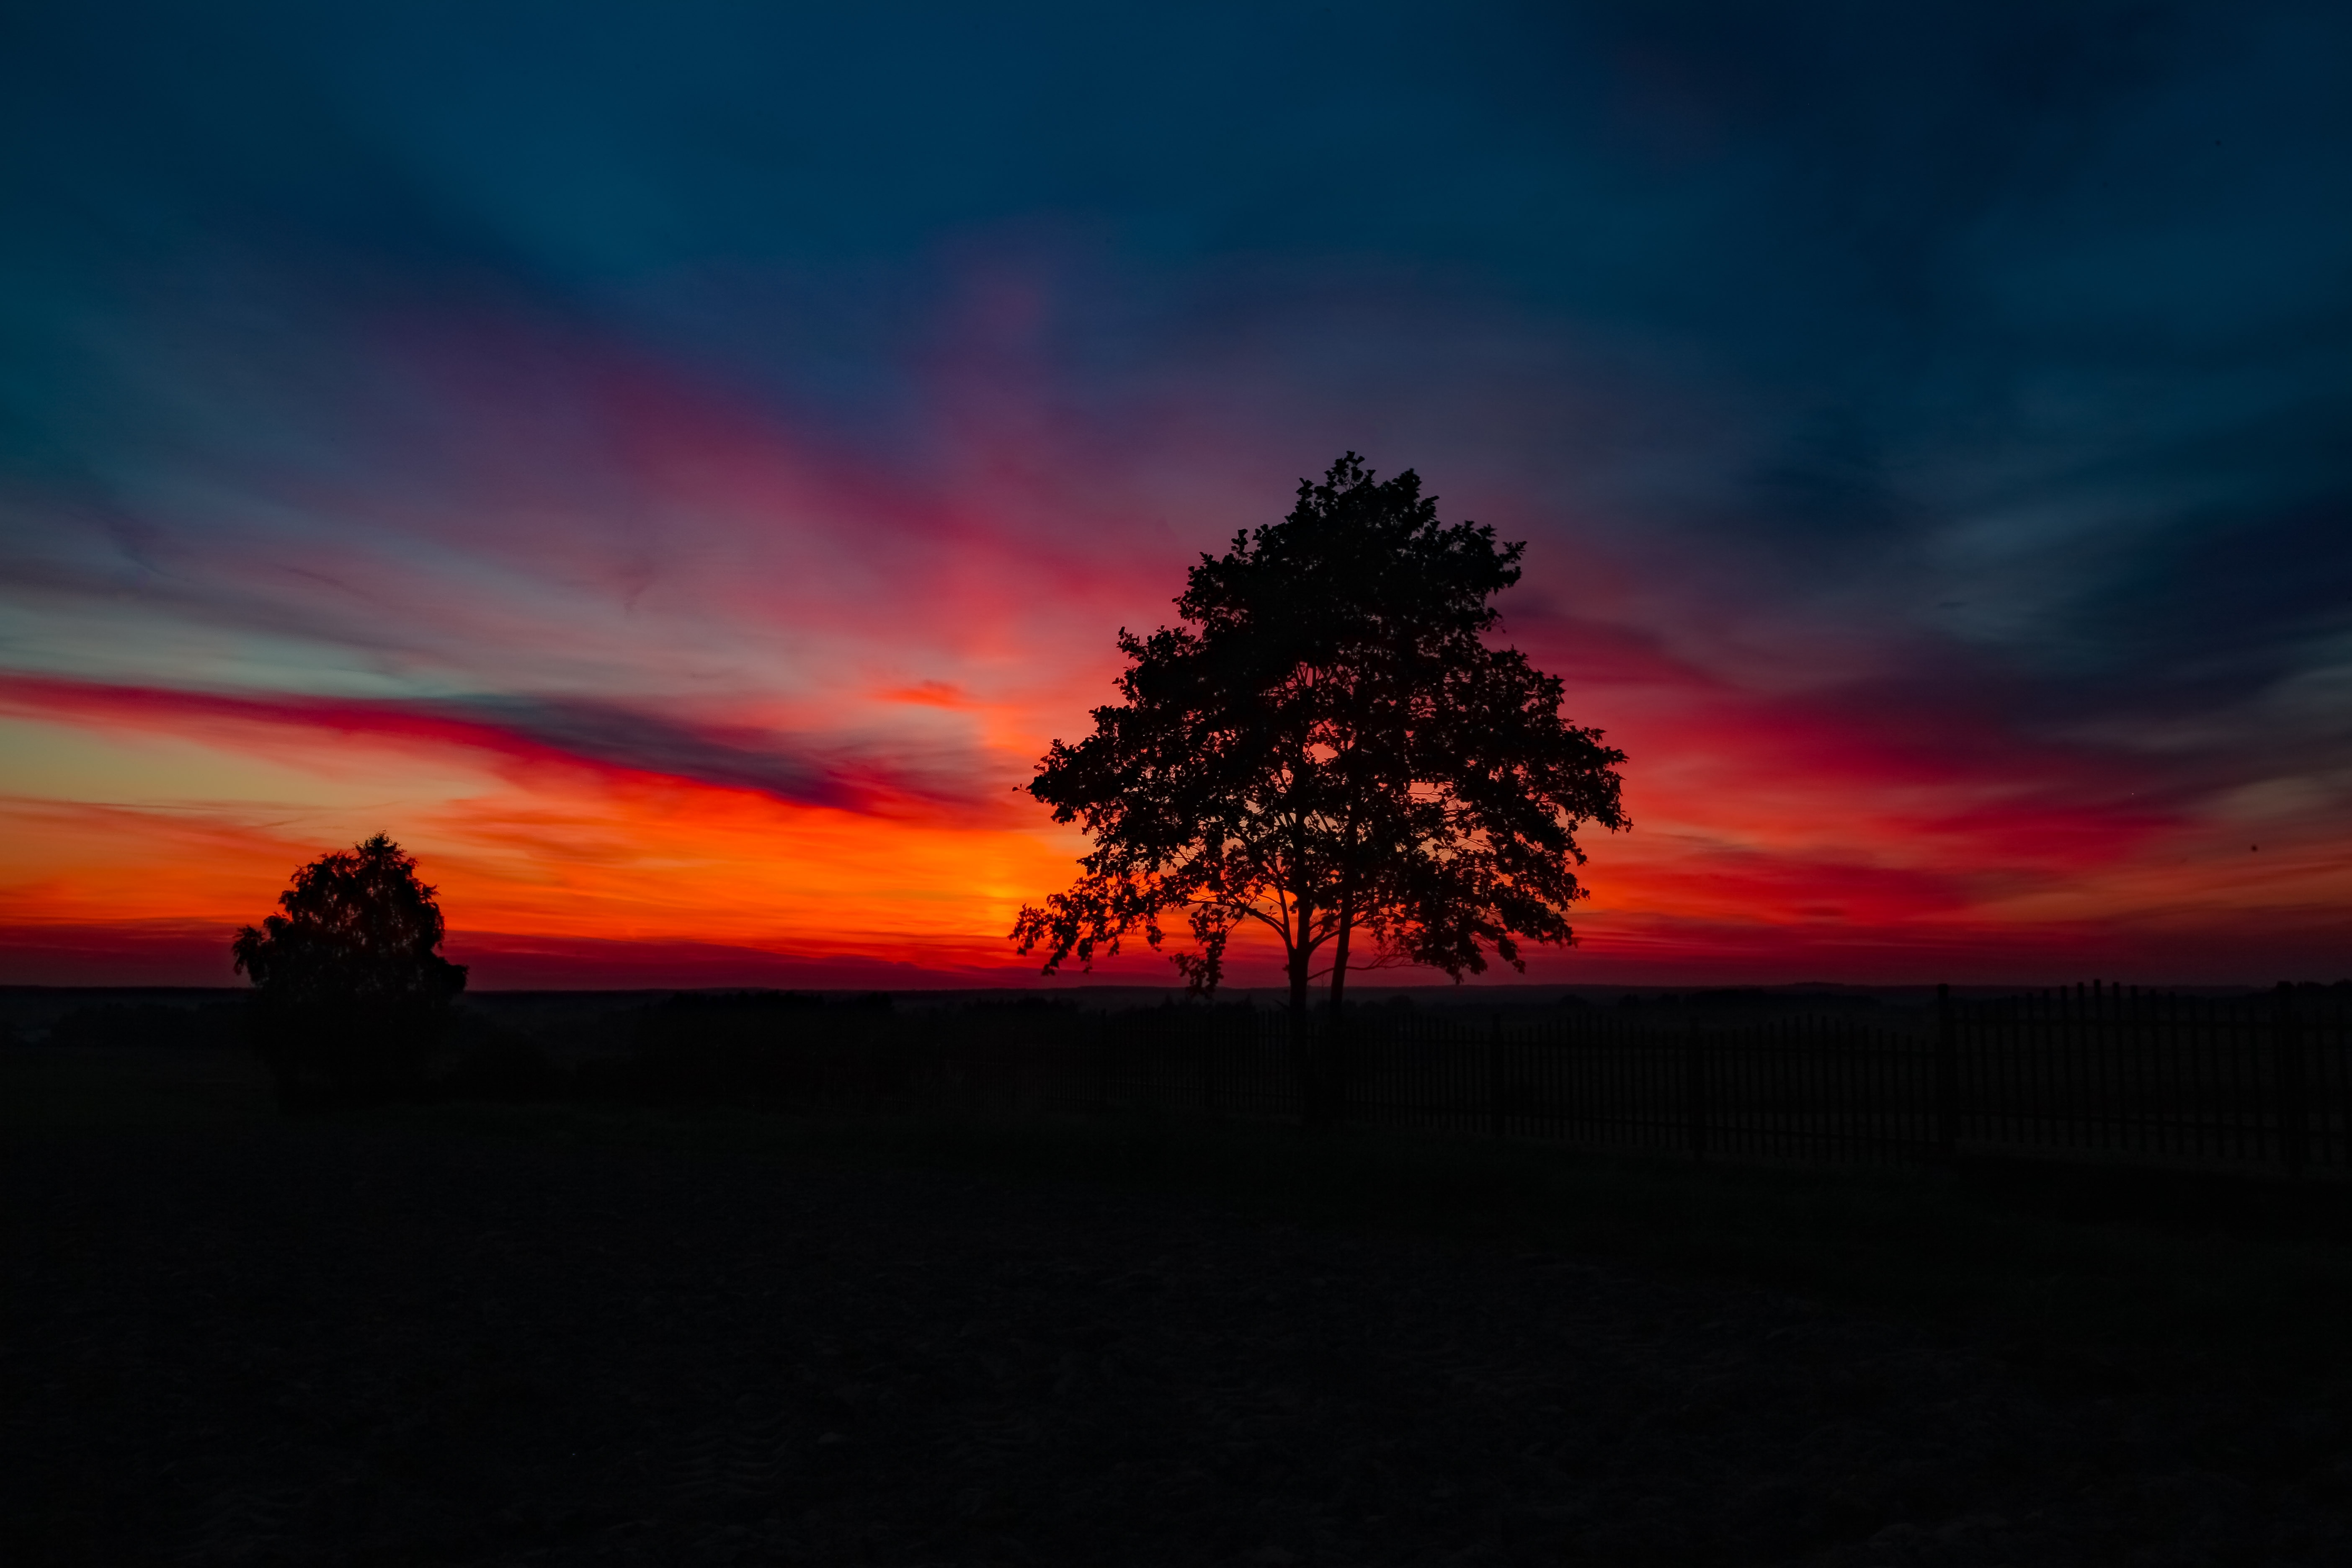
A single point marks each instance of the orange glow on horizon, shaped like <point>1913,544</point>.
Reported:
<point>542,853</point>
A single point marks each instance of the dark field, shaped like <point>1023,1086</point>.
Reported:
<point>490,1335</point>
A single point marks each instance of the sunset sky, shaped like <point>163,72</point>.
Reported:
<point>676,467</point>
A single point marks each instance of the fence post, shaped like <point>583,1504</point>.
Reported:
<point>1106,1047</point>
<point>1305,1062</point>
<point>1016,1061</point>
<point>1948,1075</point>
<point>2286,1045</point>
<point>1695,1092</point>
<point>1494,1078</point>
<point>1212,1101</point>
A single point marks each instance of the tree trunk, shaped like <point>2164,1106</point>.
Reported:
<point>1339,956</point>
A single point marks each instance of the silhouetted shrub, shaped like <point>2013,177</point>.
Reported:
<point>349,1000</point>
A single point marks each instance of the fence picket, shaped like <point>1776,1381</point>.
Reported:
<point>2102,1070</point>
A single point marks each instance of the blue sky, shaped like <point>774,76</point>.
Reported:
<point>1930,424</point>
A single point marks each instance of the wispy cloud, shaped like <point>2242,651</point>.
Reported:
<point>1927,426</point>
<point>831,772</point>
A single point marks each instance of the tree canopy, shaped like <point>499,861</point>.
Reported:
<point>1330,749</point>
<point>350,988</point>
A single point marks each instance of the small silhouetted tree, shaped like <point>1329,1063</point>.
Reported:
<point>1329,750</point>
<point>349,998</point>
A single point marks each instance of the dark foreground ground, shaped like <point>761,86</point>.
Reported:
<point>536,1334</point>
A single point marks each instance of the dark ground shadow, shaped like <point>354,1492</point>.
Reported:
<point>424,1338</point>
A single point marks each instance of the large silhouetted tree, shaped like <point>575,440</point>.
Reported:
<point>1328,749</point>
<point>350,996</point>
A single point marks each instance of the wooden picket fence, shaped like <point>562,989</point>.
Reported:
<point>2259,1080</point>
